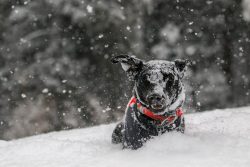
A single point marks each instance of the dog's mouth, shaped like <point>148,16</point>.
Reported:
<point>157,106</point>
<point>156,102</point>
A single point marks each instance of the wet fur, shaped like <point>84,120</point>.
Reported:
<point>160,77</point>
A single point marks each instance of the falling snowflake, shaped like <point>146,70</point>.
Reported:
<point>128,28</point>
<point>100,36</point>
<point>89,9</point>
<point>79,109</point>
<point>23,95</point>
<point>46,90</point>
<point>191,23</point>
<point>64,81</point>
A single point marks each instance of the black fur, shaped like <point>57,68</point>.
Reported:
<point>158,87</point>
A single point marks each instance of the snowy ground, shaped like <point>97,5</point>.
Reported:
<point>216,139</point>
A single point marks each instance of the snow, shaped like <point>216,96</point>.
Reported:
<point>23,95</point>
<point>171,33</point>
<point>246,9</point>
<point>219,138</point>
<point>89,8</point>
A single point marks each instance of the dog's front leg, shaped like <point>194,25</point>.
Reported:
<point>134,134</point>
<point>117,135</point>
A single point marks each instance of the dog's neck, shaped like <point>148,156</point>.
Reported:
<point>173,107</point>
<point>162,119</point>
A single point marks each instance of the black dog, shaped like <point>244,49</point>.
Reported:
<point>156,105</point>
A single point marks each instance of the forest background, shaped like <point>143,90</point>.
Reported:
<point>55,69</point>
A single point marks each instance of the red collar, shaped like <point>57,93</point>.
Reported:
<point>147,112</point>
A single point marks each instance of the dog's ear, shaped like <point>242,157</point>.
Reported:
<point>130,64</point>
<point>181,66</point>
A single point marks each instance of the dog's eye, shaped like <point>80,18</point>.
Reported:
<point>145,79</point>
<point>169,79</point>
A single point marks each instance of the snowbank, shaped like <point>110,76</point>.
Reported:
<point>216,139</point>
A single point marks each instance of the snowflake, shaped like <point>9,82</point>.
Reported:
<point>89,8</point>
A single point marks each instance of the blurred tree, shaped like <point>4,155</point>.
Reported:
<point>212,35</point>
<point>57,55</point>
<point>55,71</point>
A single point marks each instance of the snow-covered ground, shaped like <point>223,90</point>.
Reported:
<point>216,139</point>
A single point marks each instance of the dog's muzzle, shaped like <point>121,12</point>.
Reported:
<point>156,101</point>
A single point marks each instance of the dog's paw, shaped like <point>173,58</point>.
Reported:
<point>117,134</point>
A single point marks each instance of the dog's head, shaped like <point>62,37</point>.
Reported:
<point>158,83</point>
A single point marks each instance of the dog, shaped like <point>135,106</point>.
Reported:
<point>156,106</point>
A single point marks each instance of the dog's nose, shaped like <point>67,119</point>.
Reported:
<point>155,98</point>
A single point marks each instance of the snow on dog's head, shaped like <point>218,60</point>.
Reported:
<point>158,83</point>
